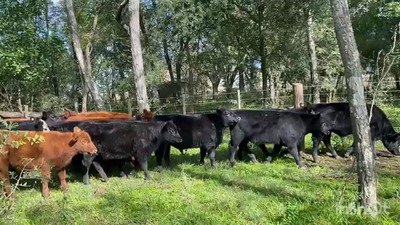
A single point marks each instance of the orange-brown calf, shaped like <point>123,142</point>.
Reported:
<point>54,151</point>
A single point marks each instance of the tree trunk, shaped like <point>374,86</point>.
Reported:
<point>51,72</point>
<point>190,98</point>
<point>168,60</point>
<point>137,57</point>
<point>84,97</point>
<point>272,88</point>
<point>241,80</point>
<point>358,111</point>
<point>313,58</point>
<point>397,78</point>
<point>79,55</point>
<point>215,84</point>
<point>262,54</point>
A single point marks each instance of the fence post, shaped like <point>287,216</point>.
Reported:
<point>298,95</point>
<point>26,111</point>
<point>76,106</point>
<point>129,106</point>
<point>239,100</point>
<point>183,104</point>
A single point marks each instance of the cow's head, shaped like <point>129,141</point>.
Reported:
<point>229,118</point>
<point>321,124</point>
<point>392,143</point>
<point>41,125</point>
<point>170,133</point>
<point>82,142</point>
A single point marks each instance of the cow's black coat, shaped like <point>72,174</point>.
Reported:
<point>281,128</point>
<point>198,131</point>
<point>119,140</point>
<point>338,117</point>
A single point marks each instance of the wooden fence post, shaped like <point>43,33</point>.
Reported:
<point>298,95</point>
<point>183,104</point>
<point>129,106</point>
<point>26,111</point>
<point>239,100</point>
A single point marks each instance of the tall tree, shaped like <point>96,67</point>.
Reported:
<point>83,64</point>
<point>358,111</point>
<point>137,57</point>
<point>313,57</point>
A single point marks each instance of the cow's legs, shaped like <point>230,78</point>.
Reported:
<point>264,150</point>
<point>296,154</point>
<point>5,177</point>
<point>143,164</point>
<point>243,147</point>
<point>236,138</point>
<point>351,150</point>
<point>62,175</point>
<point>46,175</point>
<point>211,155</point>
<point>203,152</point>
<point>316,140</point>
<point>87,162</point>
<point>167,155</point>
<point>327,142</point>
<point>100,170</point>
<point>159,156</point>
<point>275,153</point>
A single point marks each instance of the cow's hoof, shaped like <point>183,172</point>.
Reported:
<point>132,174</point>
<point>347,155</point>
<point>159,168</point>
<point>304,168</point>
<point>123,174</point>
<point>233,165</point>
<point>268,159</point>
<point>105,180</point>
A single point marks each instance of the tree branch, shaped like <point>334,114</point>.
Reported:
<point>119,15</point>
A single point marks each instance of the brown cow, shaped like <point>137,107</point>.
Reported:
<point>68,115</point>
<point>146,115</point>
<point>52,149</point>
<point>108,118</point>
<point>16,120</point>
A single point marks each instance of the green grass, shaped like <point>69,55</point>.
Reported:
<point>277,193</point>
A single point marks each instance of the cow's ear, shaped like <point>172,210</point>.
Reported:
<point>77,130</point>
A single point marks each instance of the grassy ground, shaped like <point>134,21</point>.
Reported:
<point>277,193</point>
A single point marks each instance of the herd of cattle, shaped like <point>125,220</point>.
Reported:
<point>51,142</point>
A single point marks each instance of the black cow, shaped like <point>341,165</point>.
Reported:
<point>243,145</point>
<point>338,117</point>
<point>281,128</point>
<point>36,123</point>
<point>198,131</point>
<point>119,140</point>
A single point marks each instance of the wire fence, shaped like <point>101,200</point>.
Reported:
<point>385,95</point>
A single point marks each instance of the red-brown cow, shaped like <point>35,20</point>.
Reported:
<point>68,115</point>
<point>108,118</point>
<point>16,120</point>
<point>146,115</point>
<point>55,150</point>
